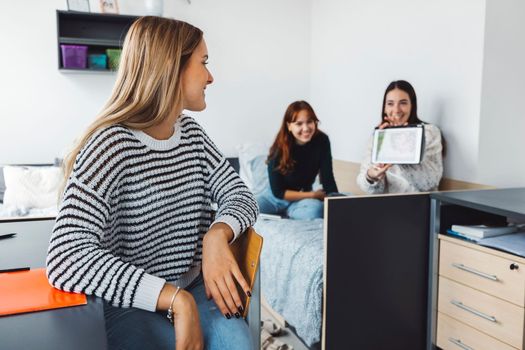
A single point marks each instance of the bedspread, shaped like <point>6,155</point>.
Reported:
<point>292,272</point>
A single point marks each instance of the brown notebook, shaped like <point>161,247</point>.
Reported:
<point>28,291</point>
<point>247,249</point>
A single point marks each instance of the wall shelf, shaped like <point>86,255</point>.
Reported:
<point>97,31</point>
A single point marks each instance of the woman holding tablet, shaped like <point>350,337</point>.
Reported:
<point>400,109</point>
<point>300,152</point>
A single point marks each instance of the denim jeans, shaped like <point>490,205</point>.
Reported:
<point>131,328</point>
<point>303,209</point>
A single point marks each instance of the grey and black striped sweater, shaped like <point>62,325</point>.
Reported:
<point>135,210</point>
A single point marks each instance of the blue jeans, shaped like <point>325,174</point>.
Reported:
<point>303,209</point>
<point>131,328</point>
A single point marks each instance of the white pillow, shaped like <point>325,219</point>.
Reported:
<point>32,186</point>
<point>252,166</point>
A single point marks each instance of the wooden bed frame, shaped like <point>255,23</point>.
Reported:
<point>346,172</point>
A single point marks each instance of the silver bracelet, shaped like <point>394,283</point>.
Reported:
<point>170,310</point>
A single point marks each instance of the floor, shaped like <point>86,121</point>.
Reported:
<point>288,336</point>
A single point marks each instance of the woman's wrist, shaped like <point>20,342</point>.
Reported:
<point>370,179</point>
<point>170,309</point>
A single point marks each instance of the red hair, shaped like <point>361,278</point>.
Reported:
<point>284,140</point>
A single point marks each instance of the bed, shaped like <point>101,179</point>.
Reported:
<point>291,259</point>
<point>292,273</point>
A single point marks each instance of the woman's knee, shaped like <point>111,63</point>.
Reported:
<point>306,209</point>
<point>269,204</point>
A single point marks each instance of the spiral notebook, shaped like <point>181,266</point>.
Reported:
<point>29,291</point>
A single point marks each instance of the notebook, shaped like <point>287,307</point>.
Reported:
<point>28,291</point>
<point>247,249</point>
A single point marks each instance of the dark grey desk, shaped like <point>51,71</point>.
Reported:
<point>79,327</point>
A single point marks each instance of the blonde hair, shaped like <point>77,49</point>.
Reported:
<point>148,86</point>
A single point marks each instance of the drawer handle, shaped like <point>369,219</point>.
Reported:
<point>459,343</point>
<point>476,272</point>
<point>473,311</point>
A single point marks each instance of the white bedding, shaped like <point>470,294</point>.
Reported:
<point>7,211</point>
<point>292,272</point>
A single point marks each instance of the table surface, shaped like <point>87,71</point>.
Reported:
<point>79,327</point>
<point>506,202</point>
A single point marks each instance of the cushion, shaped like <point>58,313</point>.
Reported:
<point>252,163</point>
<point>32,187</point>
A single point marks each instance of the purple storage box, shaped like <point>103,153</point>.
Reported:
<point>74,56</point>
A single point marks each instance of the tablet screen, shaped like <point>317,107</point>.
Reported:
<point>398,145</point>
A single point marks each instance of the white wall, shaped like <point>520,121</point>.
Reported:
<point>502,140</point>
<point>259,55</point>
<point>358,47</point>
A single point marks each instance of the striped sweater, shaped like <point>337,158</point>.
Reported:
<point>135,210</point>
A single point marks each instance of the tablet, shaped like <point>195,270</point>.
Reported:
<point>398,145</point>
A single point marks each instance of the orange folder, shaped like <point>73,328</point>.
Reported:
<point>28,291</point>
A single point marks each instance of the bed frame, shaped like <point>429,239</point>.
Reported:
<point>346,172</point>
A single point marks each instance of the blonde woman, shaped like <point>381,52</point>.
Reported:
<point>135,226</point>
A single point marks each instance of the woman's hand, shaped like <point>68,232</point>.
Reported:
<point>319,194</point>
<point>377,172</point>
<point>391,122</point>
<point>220,271</point>
<point>188,333</point>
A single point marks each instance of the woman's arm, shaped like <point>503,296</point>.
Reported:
<point>185,314</point>
<point>237,210</point>
<point>365,183</point>
<point>326,169</point>
<point>291,195</point>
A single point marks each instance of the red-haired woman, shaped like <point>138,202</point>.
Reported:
<point>299,153</point>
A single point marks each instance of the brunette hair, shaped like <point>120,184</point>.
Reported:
<point>405,86</point>
<point>284,140</point>
<point>148,85</point>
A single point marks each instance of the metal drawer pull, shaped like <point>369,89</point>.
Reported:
<point>475,312</point>
<point>459,343</point>
<point>478,273</point>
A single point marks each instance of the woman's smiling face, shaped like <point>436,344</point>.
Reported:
<point>303,127</point>
<point>397,107</point>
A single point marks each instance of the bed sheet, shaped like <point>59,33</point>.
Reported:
<point>292,272</point>
<point>7,212</point>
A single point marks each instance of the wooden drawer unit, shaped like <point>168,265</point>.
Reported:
<point>455,335</point>
<point>477,293</point>
<point>493,316</point>
<point>485,269</point>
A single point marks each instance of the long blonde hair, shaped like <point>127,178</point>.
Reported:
<point>148,86</point>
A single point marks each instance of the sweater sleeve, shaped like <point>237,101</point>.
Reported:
<point>362,182</point>
<point>326,172</point>
<point>237,206</point>
<point>76,262</point>
<point>276,179</point>
<point>424,176</point>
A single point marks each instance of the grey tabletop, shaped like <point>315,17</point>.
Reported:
<point>507,202</point>
<point>79,327</point>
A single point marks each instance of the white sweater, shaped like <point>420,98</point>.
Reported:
<point>408,178</point>
<point>135,210</point>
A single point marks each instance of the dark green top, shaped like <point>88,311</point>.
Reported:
<point>312,158</point>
